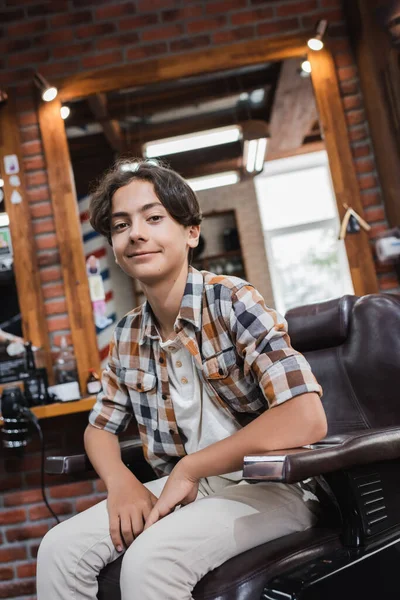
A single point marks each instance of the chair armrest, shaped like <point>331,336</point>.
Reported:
<point>80,463</point>
<point>332,454</point>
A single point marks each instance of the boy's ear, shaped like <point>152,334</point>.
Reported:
<point>194,234</point>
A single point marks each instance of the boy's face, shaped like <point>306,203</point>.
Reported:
<point>148,243</point>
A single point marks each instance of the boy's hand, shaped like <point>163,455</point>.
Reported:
<point>129,504</point>
<point>181,488</point>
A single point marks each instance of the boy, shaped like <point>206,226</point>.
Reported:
<point>200,359</point>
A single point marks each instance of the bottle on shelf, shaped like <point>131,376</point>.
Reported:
<point>93,383</point>
<point>35,380</point>
<point>65,364</point>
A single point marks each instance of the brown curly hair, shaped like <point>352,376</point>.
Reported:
<point>170,188</point>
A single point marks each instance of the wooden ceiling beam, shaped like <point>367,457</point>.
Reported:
<point>111,127</point>
<point>294,110</point>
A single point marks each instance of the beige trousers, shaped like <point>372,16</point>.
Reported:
<point>168,559</point>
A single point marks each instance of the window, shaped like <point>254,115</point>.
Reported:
<point>301,223</point>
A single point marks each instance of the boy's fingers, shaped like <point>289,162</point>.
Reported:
<point>152,518</point>
<point>115,533</point>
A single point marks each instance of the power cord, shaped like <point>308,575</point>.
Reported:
<point>33,419</point>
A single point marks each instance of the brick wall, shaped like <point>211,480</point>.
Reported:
<point>68,36</point>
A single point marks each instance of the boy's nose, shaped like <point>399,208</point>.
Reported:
<point>137,232</point>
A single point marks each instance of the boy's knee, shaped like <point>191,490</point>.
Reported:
<point>54,546</point>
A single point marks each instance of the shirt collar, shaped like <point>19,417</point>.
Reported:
<point>189,312</point>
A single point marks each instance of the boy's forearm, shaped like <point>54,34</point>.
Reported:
<point>102,448</point>
<point>298,422</point>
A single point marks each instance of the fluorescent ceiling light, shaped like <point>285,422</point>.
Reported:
<point>4,220</point>
<point>213,181</point>
<point>254,154</point>
<point>192,141</point>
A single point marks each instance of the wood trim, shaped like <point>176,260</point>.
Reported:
<point>236,55</point>
<point>343,172</point>
<point>173,67</point>
<point>27,276</point>
<point>69,236</point>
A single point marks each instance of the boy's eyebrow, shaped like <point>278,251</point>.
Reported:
<point>142,209</point>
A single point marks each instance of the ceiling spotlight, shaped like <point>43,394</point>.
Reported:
<point>316,43</point>
<point>306,66</point>
<point>65,112</point>
<point>1,182</point>
<point>3,97</point>
<point>48,91</point>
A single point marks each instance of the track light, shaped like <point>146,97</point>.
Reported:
<point>65,112</point>
<point>49,92</point>
<point>306,66</point>
<point>316,43</point>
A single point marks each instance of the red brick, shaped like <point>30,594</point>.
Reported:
<point>100,486</point>
<point>31,148</point>
<point>85,503</point>
<point>296,8</point>
<point>25,497</point>
<point>25,58</point>
<point>72,18</point>
<point>27,532</point>
<point>42,512</point>
<point>72,489</point>
<point>199,41</point>
<point>30,134</point>
<point>118,41</point>
<point>367,181</point>
<point>12,553</point>
<point>222,6</point>
<point>181,14</point>
<point>16,515</point>
<point>357,134</point>
<point>375,214</point>
<point>147,51</point>
<point>361,150</point>
<point>376,230</point>
<point>47,9</point>
<point>365,165</point>
<point>101,60</point>
<point>349,88</point>
<point>94,31</point>
<point>26,570</point>
<point>41,209</point>
<point>143,5</point>
<point>11,15</point>
<point>388,282</point>
<point>162,33</point>
<point>205,25</point>
<point>28,462</point>
<point>17,589</point>
<point>333,17</point>
<point>34,163</point>
<point>60,69</point>
<point>73,49</point>
<point>27,118</point>
<point>56,308</point>
<point>36,178</point>
<point>252,16</point>
<point>33,550</point>
<point>370,198</point>
<point>55,290</point>
<point>51,274</point>
<point>344,59</point>
<point>355,117</point>
<point>114,11</point>
<point>347,73</point>
<point>45,226</point>
<point>352,102</point>
<point>233,35</point>
<point>46,241</point>
<point>57,340</point>
<point>10,482</point>
<point>59,36</point>
<point>136,23</point>
<point>57,324</point>
<point>26,28</point>
<point>6,573</point>
<point>278,26</point>
<point>38,194</point>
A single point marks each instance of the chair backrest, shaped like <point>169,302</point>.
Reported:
<point>353,347</point>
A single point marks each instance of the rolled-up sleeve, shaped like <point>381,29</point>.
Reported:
<point>261,339</point>
<point>112,410</point>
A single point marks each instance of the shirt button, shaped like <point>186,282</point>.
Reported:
<point>184,380</point>
<point>172,348</point>
<point>178,363</point>
<point>164,397</point>
<point>171,431</point>
<point>161,360</point>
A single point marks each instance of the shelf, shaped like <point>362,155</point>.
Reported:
<point>62,408</point>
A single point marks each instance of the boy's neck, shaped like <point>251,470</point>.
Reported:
<point>165,299</point>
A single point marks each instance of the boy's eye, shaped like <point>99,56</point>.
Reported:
<point>155,218</point>
<point>118,226</point>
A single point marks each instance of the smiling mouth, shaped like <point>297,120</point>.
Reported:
<point>138,254</point>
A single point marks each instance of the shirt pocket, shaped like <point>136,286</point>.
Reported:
<point>142,389</point>
<point>220,366</point>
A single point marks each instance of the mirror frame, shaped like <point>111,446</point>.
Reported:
<point>332,119</point>
<point>26,269</point>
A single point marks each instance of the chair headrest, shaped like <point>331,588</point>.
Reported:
<point>320,325</point>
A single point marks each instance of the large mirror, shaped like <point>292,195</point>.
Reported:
<point>262,178</point>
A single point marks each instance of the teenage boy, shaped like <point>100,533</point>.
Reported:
<point>197,365</point>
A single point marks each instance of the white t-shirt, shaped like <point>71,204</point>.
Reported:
<point>200,421</point>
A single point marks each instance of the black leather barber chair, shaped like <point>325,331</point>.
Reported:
<point>353,346</point>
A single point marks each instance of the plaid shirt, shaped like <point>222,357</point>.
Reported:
<point>240,347</point>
